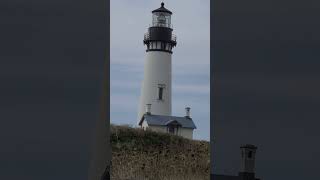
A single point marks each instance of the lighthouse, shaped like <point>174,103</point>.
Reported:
<point>155,100</point>
<point>156,86</point>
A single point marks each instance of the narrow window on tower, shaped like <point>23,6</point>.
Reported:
<point>160,91</point>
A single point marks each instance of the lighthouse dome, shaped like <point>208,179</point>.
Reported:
<point>162,9</point>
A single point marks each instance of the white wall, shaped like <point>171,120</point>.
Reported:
<point>162,129</point>
<point>144,125</point>
<point>157,70</point>
<point>184,132</point>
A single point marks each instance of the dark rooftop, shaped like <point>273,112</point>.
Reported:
<point>250,146</point>
<point>227,177</point>
<point>162,9</point>
<point>160,120</point>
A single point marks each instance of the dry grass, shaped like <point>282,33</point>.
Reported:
<point>146,155</point>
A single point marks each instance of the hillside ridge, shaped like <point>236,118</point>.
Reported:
<point>144,155</point>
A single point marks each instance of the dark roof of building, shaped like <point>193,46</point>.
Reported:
<point>160,120</point>
<point>250,146</point>
<point>162,9</point>
<point>227,177</point>
<point>224,177</point>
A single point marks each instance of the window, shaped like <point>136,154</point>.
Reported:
<point>163,45</point>
<point>160,91</point>
<point>250,154</point>
<point>161,19</point>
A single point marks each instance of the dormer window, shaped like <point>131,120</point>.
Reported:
<point>171,129</point>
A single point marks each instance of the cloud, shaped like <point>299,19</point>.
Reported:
<point>192,88</point>
<point>129,21</point>
<point>121,101</point>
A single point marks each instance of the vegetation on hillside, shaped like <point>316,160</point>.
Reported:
<point>147,155</point>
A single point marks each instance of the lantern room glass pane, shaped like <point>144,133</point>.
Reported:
<point>161,19</point>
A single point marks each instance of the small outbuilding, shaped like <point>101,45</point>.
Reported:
<point>181,126</point>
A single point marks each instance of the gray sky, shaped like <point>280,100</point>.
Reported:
<point>191,70</point>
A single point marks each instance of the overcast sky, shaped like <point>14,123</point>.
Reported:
<point>191,70</point>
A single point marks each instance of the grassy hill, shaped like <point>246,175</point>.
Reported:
<point>146,155</point>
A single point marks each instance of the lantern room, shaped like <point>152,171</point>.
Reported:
<point>161,17</point>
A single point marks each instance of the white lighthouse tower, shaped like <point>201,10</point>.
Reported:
<point>156,85</point>
<point>155,101</point>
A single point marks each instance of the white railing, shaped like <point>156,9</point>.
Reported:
<point>174,38</point>
<point>161,25</point>
<point>146,36</point>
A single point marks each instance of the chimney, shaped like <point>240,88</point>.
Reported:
<point>247,169</point>
<point>148,108</point>
<point>188,112</point>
